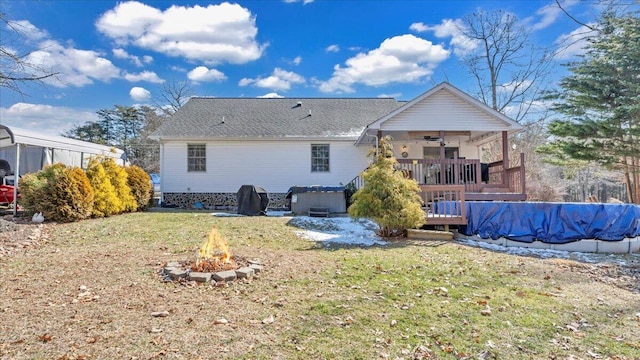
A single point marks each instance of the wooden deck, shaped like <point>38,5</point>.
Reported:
<point>454,181</point>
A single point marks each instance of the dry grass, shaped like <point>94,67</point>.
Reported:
<point>400,301</point>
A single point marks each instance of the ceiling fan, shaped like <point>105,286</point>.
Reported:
<point>435,138</point>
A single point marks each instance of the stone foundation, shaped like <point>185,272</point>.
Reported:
<point>219,201</point>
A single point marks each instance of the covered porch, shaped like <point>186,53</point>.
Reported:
<point>455,147</point>
<point>500,180</point>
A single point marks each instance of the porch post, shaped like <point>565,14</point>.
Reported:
<point>505,157</point>
<point>443,170</point>
<point>523,179</point>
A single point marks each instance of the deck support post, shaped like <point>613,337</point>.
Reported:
<point>443,169</point>
<point>505,158</point>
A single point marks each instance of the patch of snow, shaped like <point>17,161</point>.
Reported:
<point>223,214</point>
<point>339,230</point>
<point>269,213</point>
<point>278,213</point>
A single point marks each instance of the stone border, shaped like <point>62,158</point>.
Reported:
<point>626,246</point>
<point>175,271</point>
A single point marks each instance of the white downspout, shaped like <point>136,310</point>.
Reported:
<point>375,136</point>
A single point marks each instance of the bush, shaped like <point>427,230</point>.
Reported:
<point>387,197</point>
<point>118,177</point>
<point>140,184</point>
<point>105,200</point>
<point>60,193</point>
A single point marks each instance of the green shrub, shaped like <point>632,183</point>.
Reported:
<point>388,197</point>
<point>33,197</point>
<point>140,184</point>
<point>60,193</point>
<point>118,176</point>
<point>105,199</point>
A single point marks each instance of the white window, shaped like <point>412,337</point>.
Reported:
<point>319,157</point>
<point>197,158</point>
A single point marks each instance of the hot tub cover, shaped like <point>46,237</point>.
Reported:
<point>314,188</point>
<point>555,223</point>
<point>252,200</point>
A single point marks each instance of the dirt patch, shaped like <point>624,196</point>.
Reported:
<point>16,236</point>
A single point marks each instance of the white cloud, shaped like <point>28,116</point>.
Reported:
<point>74,67</point>
<point>304,2</point>
<point>394,95</point>
<point>332,48</point>
<point>123,54</point>
<point>297,60</point>
<point>139,94</point>
<point>45,118</point>
<point>271,96</point>
<point>461,44</point>
<point>548,15</point>
<point>419,27</point>
<point>70,66</point>
<point>278,80</point>
<point>148,76</point>
<point>202,74</point>
<point>400,59</point>
<point>574,43</point>
<point>212,34</point>
<point>514,86</point>
<point>28,30</point>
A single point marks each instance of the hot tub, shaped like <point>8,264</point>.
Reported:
<point>302,198</point>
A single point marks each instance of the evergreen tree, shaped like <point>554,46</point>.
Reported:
<point>601,104</point>
<point>388,197</point>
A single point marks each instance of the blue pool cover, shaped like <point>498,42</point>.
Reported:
<point>555,223</point>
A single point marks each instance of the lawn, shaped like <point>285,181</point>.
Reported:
<point>88,289</point>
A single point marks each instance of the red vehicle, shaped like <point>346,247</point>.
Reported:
<point>6,194</point>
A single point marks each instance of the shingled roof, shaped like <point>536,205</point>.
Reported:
<point>207,118</point>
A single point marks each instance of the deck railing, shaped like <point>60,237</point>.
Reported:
<point>468,172</point>
<point>445,204</point>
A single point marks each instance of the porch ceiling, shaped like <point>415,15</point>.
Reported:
<point>471,137</point>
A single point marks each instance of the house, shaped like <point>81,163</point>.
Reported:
<point>213,146</point>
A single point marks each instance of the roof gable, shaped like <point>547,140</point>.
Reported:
<point>446,108</point>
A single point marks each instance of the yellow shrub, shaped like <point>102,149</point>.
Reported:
<point>105,198</point>
<point>140,184</point>
<point>118,177</point>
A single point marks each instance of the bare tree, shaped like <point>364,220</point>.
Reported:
<point>509,70</point>
<point>15,68</point>
<point>510,74</point>
<point>172,96</point>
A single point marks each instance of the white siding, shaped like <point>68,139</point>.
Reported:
<point>273,165</point>
<point>442,111</point>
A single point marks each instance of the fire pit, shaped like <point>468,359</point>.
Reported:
<point>214,264</point>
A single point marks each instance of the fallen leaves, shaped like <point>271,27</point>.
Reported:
<point>45,338</point>
<point>160,314</point>
<point>268,320</point>
<point>220,321</point>
<point>486,311</point>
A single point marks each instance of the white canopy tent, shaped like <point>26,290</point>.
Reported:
<point>24,151</point>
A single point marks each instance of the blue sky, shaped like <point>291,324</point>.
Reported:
<point>118,53</point>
